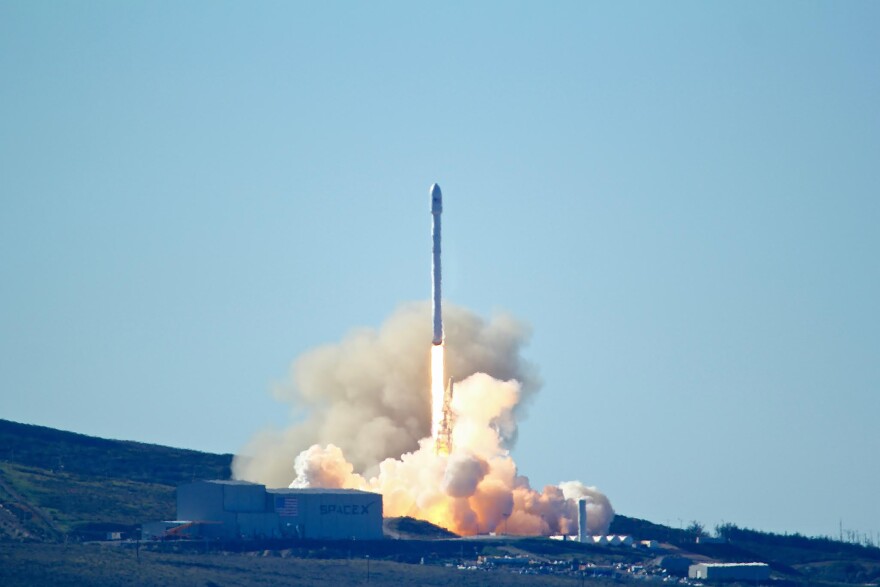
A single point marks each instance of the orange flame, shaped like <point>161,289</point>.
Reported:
<point>437,390</point>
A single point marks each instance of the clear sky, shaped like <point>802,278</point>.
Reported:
<point>680,198</point>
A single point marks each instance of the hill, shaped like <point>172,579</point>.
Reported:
<point>56,484</point>
<point>407,528</point>
<point>56,450</point>
<point>795,556</point>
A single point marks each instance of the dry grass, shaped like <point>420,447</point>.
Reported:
<point>103,565</point>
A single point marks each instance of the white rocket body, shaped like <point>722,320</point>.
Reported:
<point>436,210</point>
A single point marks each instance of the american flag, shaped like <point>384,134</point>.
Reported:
<point>286,505</point>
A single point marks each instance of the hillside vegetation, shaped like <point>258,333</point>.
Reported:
<point>108,566</point>
<point>59,451</point>
<point>55,485</point>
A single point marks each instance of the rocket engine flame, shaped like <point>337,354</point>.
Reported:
<point>369,427</point>
<point>441,402</point>
<point>438,389</point>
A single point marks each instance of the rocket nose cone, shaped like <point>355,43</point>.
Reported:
<point>436,199</point>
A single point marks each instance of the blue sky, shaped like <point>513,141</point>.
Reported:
<point>680,198</point>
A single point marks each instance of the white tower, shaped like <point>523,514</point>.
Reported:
<point>583,536</point>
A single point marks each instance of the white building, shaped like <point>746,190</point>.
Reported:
<point>242,510</point>
<point>752,572</point>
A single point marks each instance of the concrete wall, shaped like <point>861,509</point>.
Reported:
<point>244,498</point>
<point>258,525</point>
<point>199,500</point>
<point>219,501</point>
<point>203,501</point>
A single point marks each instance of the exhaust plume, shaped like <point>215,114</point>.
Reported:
<point>368,426</point>
<point>368,394</point>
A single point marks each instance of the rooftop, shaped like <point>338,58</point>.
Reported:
<point>733,564</point>
<point>227,482</point>
<point>329,490</point>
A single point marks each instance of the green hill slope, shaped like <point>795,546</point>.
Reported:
<point>54,484</point>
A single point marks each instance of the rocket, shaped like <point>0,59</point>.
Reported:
<point>436,210</point>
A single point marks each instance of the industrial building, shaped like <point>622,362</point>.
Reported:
<point>328,514</point>
<point>752,572</point>
<point>243,510</point>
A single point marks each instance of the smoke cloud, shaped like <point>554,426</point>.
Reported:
<point>368,394</point>
<point>367,427</point>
